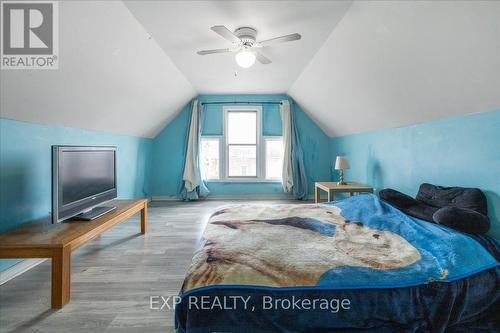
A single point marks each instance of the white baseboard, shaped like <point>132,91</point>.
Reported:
<point>234,197</point>
<point>19,269</point>
<point>164,198</point>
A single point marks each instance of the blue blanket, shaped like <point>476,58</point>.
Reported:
<point>446,254</point>
<point>442,280</point>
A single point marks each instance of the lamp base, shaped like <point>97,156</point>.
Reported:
<point>341,178</point>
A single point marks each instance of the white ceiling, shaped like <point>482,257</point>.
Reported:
<point>360,66</point>
<point>396,63</point>
<point>111,76</point>
<point>183,27</point>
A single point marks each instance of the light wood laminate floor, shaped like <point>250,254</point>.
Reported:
<point>113,276</point>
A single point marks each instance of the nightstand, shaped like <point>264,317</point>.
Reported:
<point>331,187</point>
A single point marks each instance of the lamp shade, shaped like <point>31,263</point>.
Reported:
<point>341,163</point>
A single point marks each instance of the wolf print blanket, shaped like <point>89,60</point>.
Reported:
<point>360,242</point>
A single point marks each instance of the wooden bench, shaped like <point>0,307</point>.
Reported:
<point>58,241</point>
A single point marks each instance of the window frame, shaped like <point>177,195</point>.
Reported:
<point>260,144</point>
<point>265,139</point>
<point>258,134</point>
<point>221,167</point>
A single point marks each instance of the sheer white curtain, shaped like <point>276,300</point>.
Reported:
<point>286,122</point>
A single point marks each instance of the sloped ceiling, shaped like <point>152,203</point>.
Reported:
<point>111,76</point>
<point>129,67</point>
<point>183,27</point>
<point>395,63</point>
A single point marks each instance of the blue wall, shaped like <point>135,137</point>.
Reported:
<point>169,147</point>
<point>25,168</point>
<point>461,151</point>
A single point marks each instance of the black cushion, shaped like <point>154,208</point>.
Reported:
<point>407,204</point>
<point>464,209</point>
<point>462,219</point>
<point>462,197</point>
<point>397,198</point>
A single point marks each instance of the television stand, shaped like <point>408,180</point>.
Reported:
<point>58,241</point>
<point>93,213</point>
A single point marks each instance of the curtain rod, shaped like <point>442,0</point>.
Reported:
<point>205,103</point>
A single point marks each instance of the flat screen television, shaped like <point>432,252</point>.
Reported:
<point>82,179</point>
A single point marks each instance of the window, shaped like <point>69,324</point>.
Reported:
<point>209,157</point>
<point>241,142</point>
<point>242,161</point>
<point>274,158</point>
<point>242,153</point>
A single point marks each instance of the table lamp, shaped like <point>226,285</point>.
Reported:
<point>341,163</point>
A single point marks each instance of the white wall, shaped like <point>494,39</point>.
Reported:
<point>385,64</point>
<point>395,63</point>
<point>111,76</point>
<point>183,27</point>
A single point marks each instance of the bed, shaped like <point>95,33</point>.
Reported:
<point>355,265</point>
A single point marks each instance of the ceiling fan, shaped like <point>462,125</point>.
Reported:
<point>244,42</point>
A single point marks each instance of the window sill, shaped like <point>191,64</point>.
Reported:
<point>244,180</point>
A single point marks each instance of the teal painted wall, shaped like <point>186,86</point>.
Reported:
<point>461,151</point>
<point>25,168</point>
<point>169,147</point>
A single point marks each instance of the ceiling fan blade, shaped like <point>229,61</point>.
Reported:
<point>262,59</point>
<point>205,52</point>
<point>226,33</point>
<point>282,39</point>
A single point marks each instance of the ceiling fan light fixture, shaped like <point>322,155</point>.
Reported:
<point>243,41</point>
<point>245,58</point>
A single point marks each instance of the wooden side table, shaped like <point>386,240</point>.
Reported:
<point>331,187</point>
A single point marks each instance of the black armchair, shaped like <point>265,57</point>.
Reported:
<point>460,208</point>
